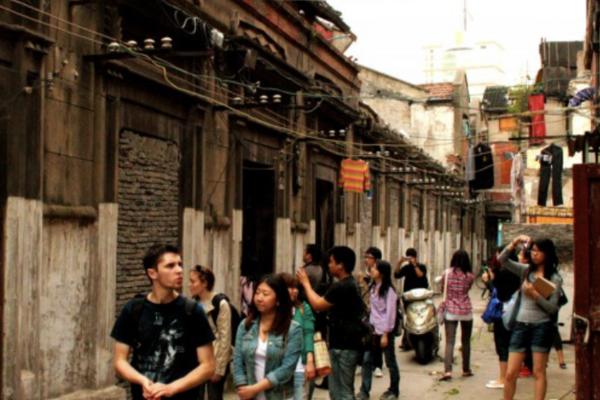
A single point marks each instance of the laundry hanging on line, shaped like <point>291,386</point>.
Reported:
<point>551,166</point>
<point>355,176</point>
<point>538,124</point>
<point>483,163</point>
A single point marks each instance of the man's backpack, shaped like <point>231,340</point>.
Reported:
<point>136,314</point>
<point>235,315</point>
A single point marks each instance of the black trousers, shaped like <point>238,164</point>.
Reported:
<point>553,170</point>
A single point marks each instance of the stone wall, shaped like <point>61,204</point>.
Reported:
<point>561,235</point>
<point>148,206</point>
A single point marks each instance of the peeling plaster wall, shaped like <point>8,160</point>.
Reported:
<point>50,344</point>
<point>432,128</point>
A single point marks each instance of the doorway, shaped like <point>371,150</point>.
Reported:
<point>324,214</point>
<point>258,230</point>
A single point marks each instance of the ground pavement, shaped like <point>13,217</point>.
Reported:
<point>420,382</point>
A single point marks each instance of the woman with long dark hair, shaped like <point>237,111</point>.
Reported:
<point>303,314</point>
<point>384,308</point>
<point>268,344</point>
<point>458,310</point>
<point>534,315</point>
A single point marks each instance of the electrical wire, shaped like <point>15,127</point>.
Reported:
<point>279,128</point>
<point>422,99</point>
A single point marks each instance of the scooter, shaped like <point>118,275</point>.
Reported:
<point>421,324</point>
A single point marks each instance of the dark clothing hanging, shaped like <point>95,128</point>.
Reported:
<point>551,164</point>
<point>484,168</point>
<point>538,123</point>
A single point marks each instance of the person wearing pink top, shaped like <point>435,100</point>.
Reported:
<point>458,310</point>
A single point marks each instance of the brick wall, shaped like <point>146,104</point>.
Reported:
<point>148,206</point>
<point>561,235</point>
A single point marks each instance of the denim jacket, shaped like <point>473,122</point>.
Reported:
<point>282,357</point>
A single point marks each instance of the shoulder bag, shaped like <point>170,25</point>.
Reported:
<point>441,310</point>
<point>493,311</point>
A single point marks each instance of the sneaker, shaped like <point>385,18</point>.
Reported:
<point>388,396</point>
<point>378,373</point>
<point>495,385</point>
<point>361,396</point>
<point>525,372</point>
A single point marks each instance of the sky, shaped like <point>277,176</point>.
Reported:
<point>391,33</point>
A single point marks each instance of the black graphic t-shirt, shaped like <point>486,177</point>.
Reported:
<point>165,341</point>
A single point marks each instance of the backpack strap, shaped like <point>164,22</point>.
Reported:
<point>189,306</point>
<point>216,302</point>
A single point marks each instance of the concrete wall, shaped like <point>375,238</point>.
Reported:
<point>432,128</point>
<point>394,100</point>
<point>50,346</point>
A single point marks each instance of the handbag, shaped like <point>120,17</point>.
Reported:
<point>512,309</point>
<point>562,299</point>
<point>493,310</point>
<point>322,360</point>
<point>441,310</point>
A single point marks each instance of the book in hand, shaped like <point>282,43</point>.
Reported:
<point>544,287</point>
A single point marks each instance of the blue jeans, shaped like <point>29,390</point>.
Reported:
<point>341,380</point>
<point>370,362</point>
<point>535,337</point>
<point>299,387</point>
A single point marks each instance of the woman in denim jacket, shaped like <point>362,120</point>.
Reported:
<point>268,345</point>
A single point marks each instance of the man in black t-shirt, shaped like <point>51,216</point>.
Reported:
<point>414,273</point>
<point>415,277</point>
<point>169,335</point>
<point>346,309</point>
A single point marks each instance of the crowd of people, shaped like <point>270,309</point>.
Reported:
<point>169,346</point>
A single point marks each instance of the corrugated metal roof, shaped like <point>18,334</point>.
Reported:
<point>495,98</point>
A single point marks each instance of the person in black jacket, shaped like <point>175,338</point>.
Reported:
<point>506,284</point>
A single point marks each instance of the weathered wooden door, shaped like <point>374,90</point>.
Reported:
<point>586,189</point>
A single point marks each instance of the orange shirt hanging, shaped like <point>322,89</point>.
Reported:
<point>354,176</point>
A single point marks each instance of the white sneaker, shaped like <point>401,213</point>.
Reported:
<point>495,386</point>
<point>378,373</point>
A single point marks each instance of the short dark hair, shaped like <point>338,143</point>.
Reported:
<point>411,253</point>
<point>375,252</point>
<point>283,315</point>
<point>344,255</point>
<point>154,255</point>
<point>315,252</point>
<point>205,274</point>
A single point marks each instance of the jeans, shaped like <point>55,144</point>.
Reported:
<point>371,362</point>
<point>341,380</point>
<point>215,390</point>
<point>299,386</point>
<point>555,170</point>
<point>466,328</point>
<point>535,337</point>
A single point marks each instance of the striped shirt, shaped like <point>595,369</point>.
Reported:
<point>457,299</point>
<point>354,176</point>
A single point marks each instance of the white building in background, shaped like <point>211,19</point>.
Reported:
<point>483,61</point>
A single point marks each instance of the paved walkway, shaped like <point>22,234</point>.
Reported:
<point>420,382</point>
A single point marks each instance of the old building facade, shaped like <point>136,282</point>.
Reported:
<point>221,128</point>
